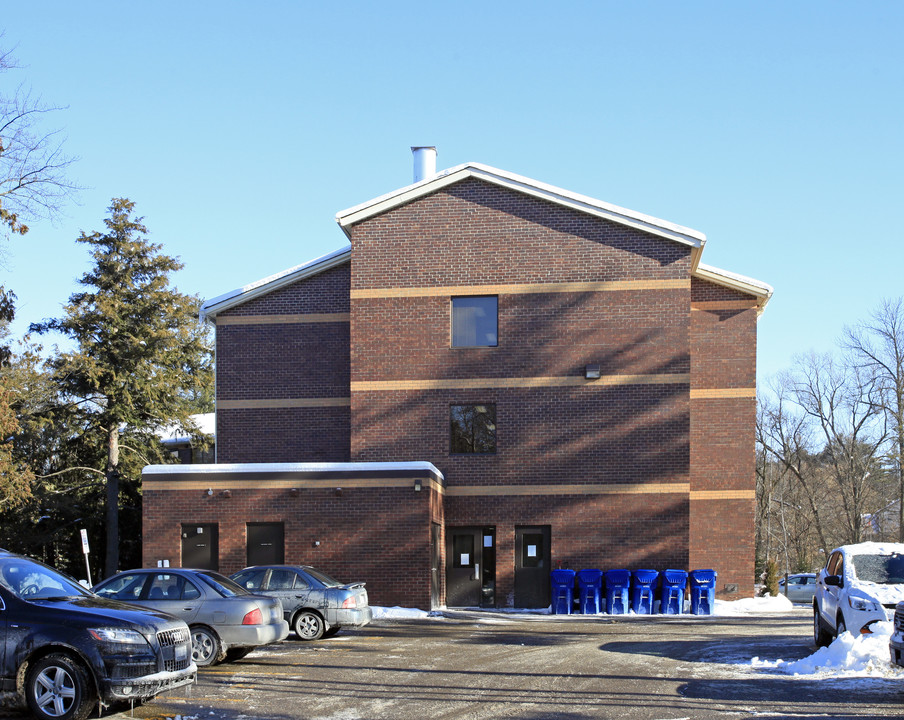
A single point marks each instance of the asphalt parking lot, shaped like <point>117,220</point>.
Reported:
<point>492,665</point>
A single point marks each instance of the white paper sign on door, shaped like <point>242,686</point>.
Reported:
<point>532,551</point>
<point>465,559</point>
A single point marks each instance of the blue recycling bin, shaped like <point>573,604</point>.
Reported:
<point>671,601</point>
<point>618,583</point>
<point>703,591</point>
<point>562,582</point>
<point>642,590</point>
<point>590,587</point>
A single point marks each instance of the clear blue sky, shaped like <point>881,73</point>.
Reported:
<point>241,128</point>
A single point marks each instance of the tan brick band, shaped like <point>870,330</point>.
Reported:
<point>722,393</point>
<point>293,319</point>
<point>723,494</point>
<point>274,403</point>
<point>523,288</point>
<point>522,382</point>
<point>573,489</point>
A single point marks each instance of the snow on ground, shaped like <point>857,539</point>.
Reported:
<point>847,657</point>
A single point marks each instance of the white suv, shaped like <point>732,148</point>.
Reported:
<point>860,584</point>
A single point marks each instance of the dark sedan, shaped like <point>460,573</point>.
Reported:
<point>314,604</point>
<point>226,621</point>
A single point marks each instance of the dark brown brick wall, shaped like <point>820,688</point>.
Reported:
<point>723,355</point>
<point>257,363</point>
<point>392,558</point>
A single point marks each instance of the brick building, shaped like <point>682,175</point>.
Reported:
<point>495,378</point>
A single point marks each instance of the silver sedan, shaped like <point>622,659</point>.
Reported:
<point>800,587</point>
<point>226,621</point>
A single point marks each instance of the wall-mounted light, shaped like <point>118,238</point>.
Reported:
<point>210,491</point>
<point>316,543</point>
<point>592,371</point>
<point>337,492</point>
<point>293,492</point>
<point>226,494</point>
<point>417,485</point>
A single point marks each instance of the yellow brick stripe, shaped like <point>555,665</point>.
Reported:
<point>723,494</point>
<point>519,382</point>
<point>277,403</point>
<point>288,319</point>
<point>523,288</point>
<point>722,393</point>
<point>571,489</point>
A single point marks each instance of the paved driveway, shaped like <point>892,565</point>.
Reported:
<point>476,665</point>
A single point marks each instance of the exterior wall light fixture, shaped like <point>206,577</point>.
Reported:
<point>417,485</point>
<point>592,371</point>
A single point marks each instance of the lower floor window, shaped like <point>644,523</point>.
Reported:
<point>473,428</point>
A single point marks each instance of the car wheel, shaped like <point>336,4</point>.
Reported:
<point>57,687</point>
<point>840,626</point>
<point>309,625</point>
<point>205,646</point>
<point>821,637</point>
<point>330,631</point>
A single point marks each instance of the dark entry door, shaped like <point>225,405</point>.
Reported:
<point>532,560</point>
<point>463,561</point>
<point>200,547</point>
<point>435,564</point>
<point>266,544</point>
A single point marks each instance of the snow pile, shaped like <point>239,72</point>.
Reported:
<point>398,613</point>
<point>752,606</point>
<point>847,656</point>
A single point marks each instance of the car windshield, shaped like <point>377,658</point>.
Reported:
<point>222,584</point>
<point>322,577</point>
<point>881,569</point>
<point>32,580</point>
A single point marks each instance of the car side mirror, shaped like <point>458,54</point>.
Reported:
<point>834,580</point>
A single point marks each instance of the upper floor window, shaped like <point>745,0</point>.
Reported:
<point>473,428</point>
<point>475,321</point>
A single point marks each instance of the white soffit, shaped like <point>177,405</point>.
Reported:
<point>229,300</point>
<point>518,183</point>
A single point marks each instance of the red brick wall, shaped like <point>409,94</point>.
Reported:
<point>393,558</point>
<point>476,233</point>
<point>723,355</point>
<point>263,364</point>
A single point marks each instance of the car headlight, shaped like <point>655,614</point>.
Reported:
<point>118,636</point>
<point>863,604</point>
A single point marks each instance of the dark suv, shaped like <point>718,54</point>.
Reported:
<point>63,649</point>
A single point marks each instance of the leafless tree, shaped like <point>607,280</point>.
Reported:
<point>878,346</point>
<point>33,182</point>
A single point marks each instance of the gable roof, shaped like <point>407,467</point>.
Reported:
<point>527,186</point>
<point>582,203</point>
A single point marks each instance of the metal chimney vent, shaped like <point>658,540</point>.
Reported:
<point>424,162</point>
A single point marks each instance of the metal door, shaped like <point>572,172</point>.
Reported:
<point>435,564</point>
<point>532,561</point>
<point>200,547</point>
<point>266,544</point>
<point>463,561</point>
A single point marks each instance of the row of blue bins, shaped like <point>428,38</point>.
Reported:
<point>639,596</point>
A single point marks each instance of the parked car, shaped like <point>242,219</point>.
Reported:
<point>896,644</point>
<point>860,584</point>
<point>800,587</point>
<point>314,604</point>
<point>226,621</point>
<point>63,649</point>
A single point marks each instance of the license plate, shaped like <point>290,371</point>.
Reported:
<point>181,652</point>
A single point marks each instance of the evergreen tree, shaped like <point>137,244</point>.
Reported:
<point>141,355</point>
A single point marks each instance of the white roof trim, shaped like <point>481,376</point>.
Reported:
<point>229,300</point>
<point>350,467</point>
<point>745,284</point>
<point>575,201</point>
